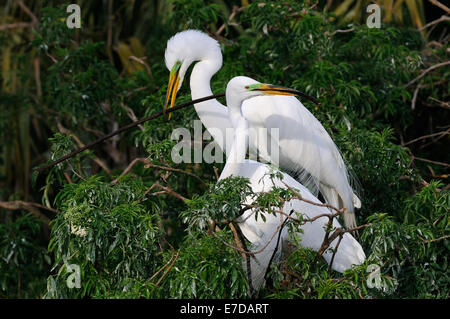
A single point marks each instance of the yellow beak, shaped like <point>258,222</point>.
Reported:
<point>172,88</point>
<point>279,90</point>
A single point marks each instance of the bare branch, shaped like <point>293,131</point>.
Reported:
<point>168,268</point>
<point>167,264</point>
<point>343,31</point>
<point>103,165</point>
<point>15,26</point>
<point>440,5</point>
<point>131,115</point>
<point>443,133</point>
<point>431,68</point>
<point>236,9</point>
<point>141,61</point>
<point>127,127</point>
<point>443,18</point>
<point>30,207</point>
<point>430,161</point>
<point>435,239</point>
<point>149,164</point>
<point>170,191</point>
<point>414,99</point>
<point>34,20</point>
<point>299,196</point>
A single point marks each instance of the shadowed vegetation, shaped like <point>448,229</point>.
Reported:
<point>137,224</point>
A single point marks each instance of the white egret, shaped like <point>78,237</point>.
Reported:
<point>305,148</point>
<point>259,232</point>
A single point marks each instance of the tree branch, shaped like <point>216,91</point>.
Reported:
<point>443,18</point>
<point>34,20</point>
<point>64,130</point>
<point>440,5</point>
<point>15,26</point>
<point>126,127</point>
<point>431,68</point>
<point>29,207</point>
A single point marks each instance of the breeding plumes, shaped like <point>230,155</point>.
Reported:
<point>260,233</point>
<point>268,237</point>
<point>305,148</point>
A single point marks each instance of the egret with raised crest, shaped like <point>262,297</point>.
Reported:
<point>305,148</point>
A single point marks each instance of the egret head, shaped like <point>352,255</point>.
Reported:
<point>182,50</point>
<point>241,88</point>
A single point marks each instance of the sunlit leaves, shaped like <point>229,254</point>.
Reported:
<point>108,232</point>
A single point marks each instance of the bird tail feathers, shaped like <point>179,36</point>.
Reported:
<point>333,198</point>
<point>259,262</point>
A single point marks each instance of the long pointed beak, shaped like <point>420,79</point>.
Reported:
<point>281,90</point>
<point>172,88</point>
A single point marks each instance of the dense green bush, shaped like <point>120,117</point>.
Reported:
<point>145,232</point>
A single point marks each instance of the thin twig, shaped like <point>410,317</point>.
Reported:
<point>299,196</point>
<point>334,252</point>
<point>236,238</point>
<point>176,170</point>
<point>440,5</point>
<point>343,31</point>
<point>126,127</point>
<point>414,99</point>
<point>428,136</point>
<point>34,19</point>
<point>149,164</point>
<point>431,68</point>
<point>443,104</point>
<point>15,26</point>
<point>435,239</point>
<point>141,61</point>
<point>251,253</point>
<point>167,264</point>
<point>216,172</point>
<point>170,191</point>
<point>12,205</point>
<point>443,18</point>
<point>430,161</point>
<point>131,115</point>
<point>29,207</point>
<point>240,242</point>
<point>168,268</point>
<point>103,165</point>
<point>236,9</point>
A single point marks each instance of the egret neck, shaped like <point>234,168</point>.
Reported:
<point>212,113</point>
<point>238,150</point>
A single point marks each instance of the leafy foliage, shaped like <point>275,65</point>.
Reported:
<point>138,225</point>
<point>108,232</point>
<point>23,259</point>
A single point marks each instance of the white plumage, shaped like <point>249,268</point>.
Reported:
<point>240,93</point>
<point>306,149</point>
<point>258,232</point>
<point>189,46</point>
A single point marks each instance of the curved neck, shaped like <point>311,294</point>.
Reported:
<point>200,84</point>
<point>239,147</point>
<point>234,103</point>
<point>238,150</point>
<point>212,113</point>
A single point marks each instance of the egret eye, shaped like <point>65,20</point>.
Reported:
<point>246,87</point>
